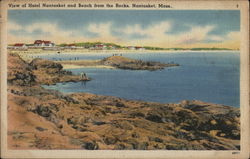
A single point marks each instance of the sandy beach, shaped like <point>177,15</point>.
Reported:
<point>73,66</point>
<point>75,51</point>
<point>69,64</point>
<point>27,55</point>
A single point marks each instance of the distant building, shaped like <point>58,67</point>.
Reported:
<point>43,43</point>
<point>70,46</point>
<point>100,47</point>
<point>139,48</point>
<point>111,47</point>
<point>21,46</point>
<point>131,47</point>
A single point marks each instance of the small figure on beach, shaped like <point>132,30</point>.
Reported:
<point>83,76</point>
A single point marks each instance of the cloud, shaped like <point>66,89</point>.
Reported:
<point>12,26</point>
<point>150,31</point>
<point>215,38</point>
<point>195,35</point>
<point>231,36</point>
<point>102,29</point>
<point>235,35</point>
<point>160,35</point>
<point>232,39</point>
<point>39,30</point>
<point>103,32</point>
<point>51,28</point>
<point>47,28</point>
<point>157,34</point>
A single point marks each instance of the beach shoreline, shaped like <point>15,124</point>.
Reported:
<point>27,55</point>
<point>74,66</point>
<point>115,61</point>
<point>81,51</point>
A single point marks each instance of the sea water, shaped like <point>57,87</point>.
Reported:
<point>206,76</point>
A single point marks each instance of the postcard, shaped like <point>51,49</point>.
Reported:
<point>124,79</point>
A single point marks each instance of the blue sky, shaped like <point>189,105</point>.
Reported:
<point>163,28</point>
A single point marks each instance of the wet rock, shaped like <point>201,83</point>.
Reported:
<point>134,143</point>
<point>40,128</point>
<point>39,63</point>
<point>156,139</point>
<point>90,146</point>
<point>21,77</point>
<point>137,114</point>
<point>143,146</point>
<point>123,125</point>
<point>118,104</point>
<point>132,64</point>
<point>43,111</point>
<point>154,118</point>
<point>135,135</point>
<point>121,147</point>
<point>99,122</point>
<point>109,140</point>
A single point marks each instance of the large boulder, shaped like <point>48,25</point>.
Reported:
<point>19,72</point>
<point>49,66</point>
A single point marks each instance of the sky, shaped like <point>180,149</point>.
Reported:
<point>159,28</point>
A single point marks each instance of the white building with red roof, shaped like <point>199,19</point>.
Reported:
<point>43,43</point>
<point>131,47</point>
<point>139,48</point>
<point>20,46</point>
<point>70,46</point>
<point>100,47</point>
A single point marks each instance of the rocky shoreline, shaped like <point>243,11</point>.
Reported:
<point>45,119</point>
<point>38,71</point>
<point>120,62</point>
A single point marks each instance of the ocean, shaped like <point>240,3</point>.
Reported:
<point>206,76</point>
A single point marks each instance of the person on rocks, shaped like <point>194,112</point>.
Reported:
<point>83,76</point>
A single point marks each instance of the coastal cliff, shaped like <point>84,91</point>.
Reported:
<point>45,119</point>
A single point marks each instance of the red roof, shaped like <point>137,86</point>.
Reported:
<point>38,42</point>
<point>42,41</point>
<point>99,45</point>
<point>19,44</point>
<point>47,42</point>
